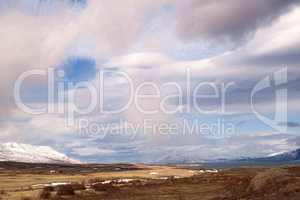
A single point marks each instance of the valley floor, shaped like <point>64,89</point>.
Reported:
<point>143,182</point>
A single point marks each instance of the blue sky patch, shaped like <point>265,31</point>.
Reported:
<point>80,69</point>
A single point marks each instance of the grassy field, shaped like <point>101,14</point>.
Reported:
<point>144,182</point>
<point>17,182</point>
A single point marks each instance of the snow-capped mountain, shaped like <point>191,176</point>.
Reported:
<point>32,154</point>
<point>287,157</point>
<point>293,155</point>
<point>282,157</point>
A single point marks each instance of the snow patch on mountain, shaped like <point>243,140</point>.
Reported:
<point>193,158</point>
<point>17,152</point>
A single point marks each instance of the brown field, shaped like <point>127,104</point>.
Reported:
<point>143,182</point>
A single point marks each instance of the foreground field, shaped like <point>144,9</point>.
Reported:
<point>141,182</point>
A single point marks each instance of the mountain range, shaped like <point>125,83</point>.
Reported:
<point>280,158</point>
<point>26,153</point>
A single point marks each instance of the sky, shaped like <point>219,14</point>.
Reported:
<point>151,80</point>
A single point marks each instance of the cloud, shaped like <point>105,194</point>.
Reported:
<point>92,151</point>
<point>139,60</point>
<point>147,38</point>
<point>254,145</point>
<point>29,42</point>
<point>234,19</point>
<point>33,37</point>
<point>289,124</point>
<point>295,141</point>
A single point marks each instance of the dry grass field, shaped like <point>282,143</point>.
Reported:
<point>142,182</point>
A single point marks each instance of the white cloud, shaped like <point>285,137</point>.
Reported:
<point>31,40</point>
<point>139,60</point>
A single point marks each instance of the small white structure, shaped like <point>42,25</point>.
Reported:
<point>212,171</point>
<point>208,171</point>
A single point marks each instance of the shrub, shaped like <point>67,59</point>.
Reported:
<point>45,194</point>
<point>26,198</point>
<point>269,180</point>
<point>103,187</point>
<point>49,188</point>
<point>63,190</point>
<point>78,186</point>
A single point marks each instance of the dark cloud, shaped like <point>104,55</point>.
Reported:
<point>288,56</point>
<point>289,124</point>
<point>233,20</point>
